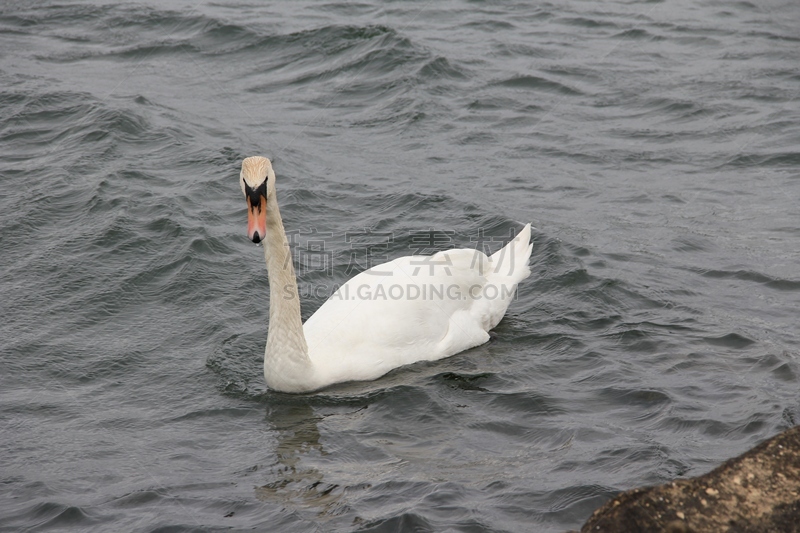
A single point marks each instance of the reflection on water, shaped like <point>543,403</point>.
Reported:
<point>296,486</point>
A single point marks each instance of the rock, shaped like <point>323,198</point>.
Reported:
<point>756,492</point>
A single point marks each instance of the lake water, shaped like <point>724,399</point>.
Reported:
<point>654,146</point>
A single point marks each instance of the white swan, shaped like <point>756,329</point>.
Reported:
<point>415,308</point>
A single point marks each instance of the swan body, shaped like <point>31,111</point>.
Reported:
<point>414,308</point>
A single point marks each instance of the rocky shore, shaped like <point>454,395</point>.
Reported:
<point>756,492</point>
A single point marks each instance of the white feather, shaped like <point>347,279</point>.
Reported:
<point>414,308</point>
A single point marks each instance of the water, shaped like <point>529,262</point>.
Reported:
<point>654,145</point>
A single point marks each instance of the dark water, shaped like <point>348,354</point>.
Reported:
<point>654,145</point>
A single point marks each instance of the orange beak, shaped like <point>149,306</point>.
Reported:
<point>257,220</point>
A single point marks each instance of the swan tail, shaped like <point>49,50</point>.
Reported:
<point>509,266</point>
<point>512,260</point>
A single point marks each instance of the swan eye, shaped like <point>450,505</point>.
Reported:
<point>255,194</point>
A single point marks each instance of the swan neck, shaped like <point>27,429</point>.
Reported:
<point>287,351</point>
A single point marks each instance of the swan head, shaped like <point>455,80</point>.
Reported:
<point>257,180</point>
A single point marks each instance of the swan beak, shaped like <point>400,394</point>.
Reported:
<point>257,219</point>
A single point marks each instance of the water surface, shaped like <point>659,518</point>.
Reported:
<point>654,146</point>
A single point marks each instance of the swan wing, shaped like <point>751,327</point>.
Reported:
<point>414,308</point>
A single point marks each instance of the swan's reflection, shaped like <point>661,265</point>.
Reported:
<point>296,486</point>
